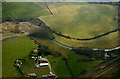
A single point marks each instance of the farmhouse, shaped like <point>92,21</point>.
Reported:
<point>38,61</point>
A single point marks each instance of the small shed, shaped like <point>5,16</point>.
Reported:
<point>44,64</point>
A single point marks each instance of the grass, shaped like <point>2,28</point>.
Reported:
<point>0,58</point>
<point>115,71</point>
<point>81,20</point>
<point>1,11</point>
<point>116,74</point>
<point>111,71</point>
<point>22,9</point>
<point>58,64</point>
<point>29,67</point>
<point>11,50</point>
<point>108,41</point>
<point>79,66</point>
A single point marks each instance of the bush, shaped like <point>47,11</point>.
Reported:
<point>54,53</point>
<point>65,58</point>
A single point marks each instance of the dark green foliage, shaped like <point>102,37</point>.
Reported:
<point>42,31</point>
<point>90,53</point>
<point>82,59</point>
<point>44,50</point>
<point>55,53</point>
<point>65,58</point>
<point>33,20</point>
<point>116,74</point>
<point>83,71</point>
<point>16,29</point>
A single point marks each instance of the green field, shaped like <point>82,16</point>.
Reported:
<point>23,9</point>
<point>58,64</point>
<point>11,50</point>
<point>81,20</point>
<point>111,71</point>
<point>116,74</point>
<point>108,41</point>
<point>77,20</point>
<point>29,67</point>
<point>20,48</point>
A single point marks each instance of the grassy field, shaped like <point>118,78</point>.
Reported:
<point>108,41</point>
<point>58,64</point>
<point>81,20</point>
<point>23,9</point>
<point>111,70</point>
<point>116,74</point>
<point>29,67</point>
<point>11,50</point>
<point>0,58</point>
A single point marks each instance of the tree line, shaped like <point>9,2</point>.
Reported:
<point>68,37</point>
<point>107,3</point>
<point>45,50</point>
<point>44,31</point>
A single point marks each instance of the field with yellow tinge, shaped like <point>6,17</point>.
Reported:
<point>76,20</point>
<point>82,20</point>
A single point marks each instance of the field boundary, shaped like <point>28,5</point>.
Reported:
<point>85,39</point>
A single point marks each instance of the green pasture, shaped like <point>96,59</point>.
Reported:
<point>22,9</point>
<point>108,41</point>
<point>29,67</point>
<point>116,74</point>
<point>13,49</point>
<point>59,66</point>
<point>81,20</point>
